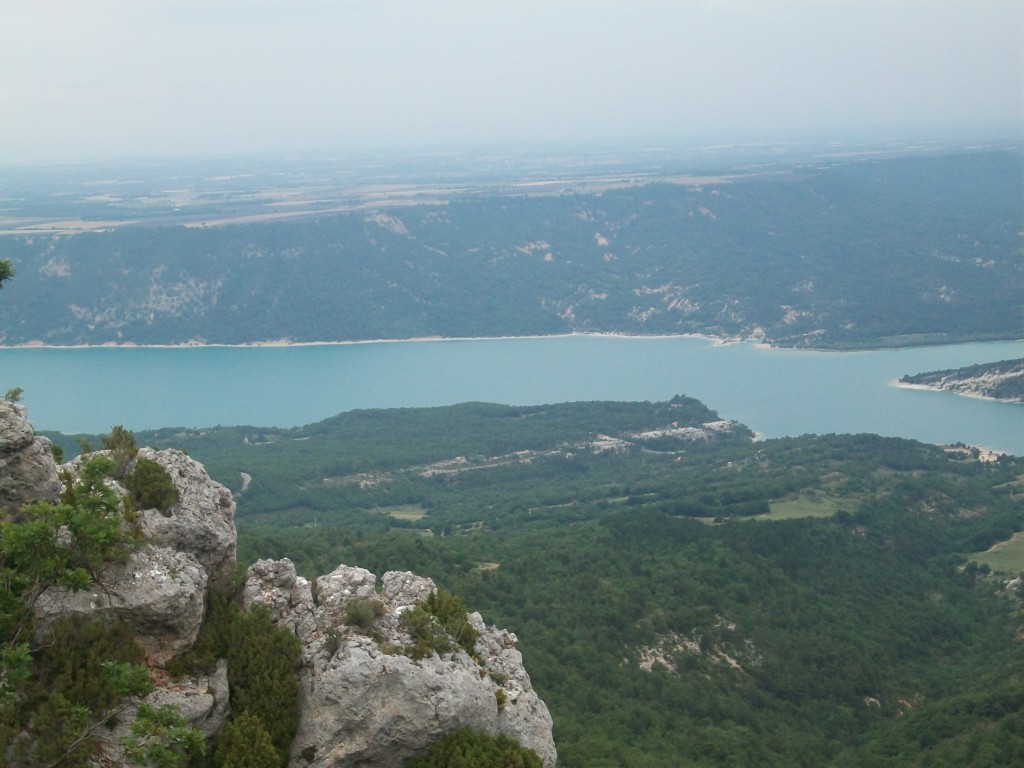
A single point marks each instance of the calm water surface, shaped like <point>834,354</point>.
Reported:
<point>775,392</point>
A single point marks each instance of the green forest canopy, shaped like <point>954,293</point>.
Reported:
<point>672,604</point>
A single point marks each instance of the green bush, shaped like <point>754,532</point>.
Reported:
<point>245,743</point>
<point>150,487</point>
<point>263,661</point>
<point>450,611</point>
<point>427,634</point>
<point>162,738</point>
<point>437,623</point>
<point>362,612</point>
<point>56,693</point>
<point>74,660</point>
<point>55,728</point>
<point>215,637</point>
<point>121,444</point>
<point>60,545</point>
<point>466,748</point>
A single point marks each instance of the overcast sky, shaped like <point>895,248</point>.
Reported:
<point>86,79</point>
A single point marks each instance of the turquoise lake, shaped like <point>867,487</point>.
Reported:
<point>775,392</point>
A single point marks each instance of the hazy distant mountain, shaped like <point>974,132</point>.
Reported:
<point>845,253</point>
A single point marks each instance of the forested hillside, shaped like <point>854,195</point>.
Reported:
<point>684,595</point>
<point>856,252</point>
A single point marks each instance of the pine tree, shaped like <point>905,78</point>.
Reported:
<point>466,748</point>
<point>263,660</point>
<point>245,743</point>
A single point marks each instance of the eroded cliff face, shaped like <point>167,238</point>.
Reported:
<point>160,590</point>
<point>27,470</point>
<point>362,700</point>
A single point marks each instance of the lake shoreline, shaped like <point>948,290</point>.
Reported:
<point>756,341</point>
<point>716,340</point>
<point>774,392</point>
<point>932,388</point>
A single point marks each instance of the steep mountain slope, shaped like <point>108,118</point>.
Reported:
<point>865,252</point>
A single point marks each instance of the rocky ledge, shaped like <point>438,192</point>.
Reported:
<point>160,590</point>
<point>362,702</point>
<point>27,470</point>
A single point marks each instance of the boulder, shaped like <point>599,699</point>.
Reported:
<point>160,593</point>
<point>363,701</point>
<point>403,589</point>
<point>287,596</point>
<point>202,522</point>
<point>161,589</point>
<point>28,472</point>
<point>201,700</point>
<point>343,584</point>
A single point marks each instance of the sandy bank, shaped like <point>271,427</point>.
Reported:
<point>417,339</point>
<point>931,388</point>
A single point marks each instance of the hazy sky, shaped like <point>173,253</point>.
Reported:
<point>82,79</point>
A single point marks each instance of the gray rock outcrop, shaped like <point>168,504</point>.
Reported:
<point>201,700</point>
<point>362,701</point>
<point>27,470</point>
<point>160,593</point>
<point>160,590</point>
<point>202,522</point>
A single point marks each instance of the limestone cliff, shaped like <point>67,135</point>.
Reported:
<point>160,590</point>
<point>27,469</point>
<point>362,701</point>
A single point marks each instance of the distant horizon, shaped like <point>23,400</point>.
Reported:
<point>185,78</point>
<point>945,133</point>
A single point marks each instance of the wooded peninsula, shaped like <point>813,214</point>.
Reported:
<point>998,381</point>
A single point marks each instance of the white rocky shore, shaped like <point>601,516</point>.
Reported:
<point>985,385</point>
